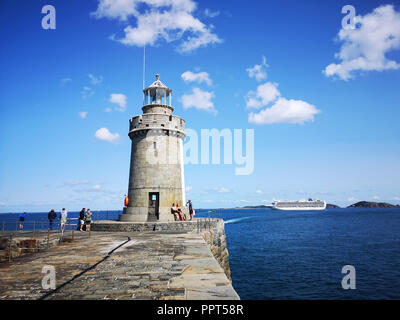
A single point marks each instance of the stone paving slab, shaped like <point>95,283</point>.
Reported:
<point>146,265</point>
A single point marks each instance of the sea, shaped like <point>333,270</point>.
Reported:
<point>300,254</point>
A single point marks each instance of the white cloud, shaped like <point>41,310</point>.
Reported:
<point>87,92</point>
<point>82,114</point>
<point>199,99</point>
<point>107,110</point>
<point>211,14</point>
<point>95,80</point>
<point>265,94</point>
<point>188,189</point>
<point>285,111</point>
<point>376,198</point>
<point>396,198</point>
<point>222,190</point>
<point>258,72</point>
<point>203,39</point>
<point>365,47</point>
<point>209,201</point>
<point>64,81</point>
<point>120,100</point>
<point>2,203</point>
<point>259,191</point>
<point>282,111</point>
<point>97,187</point>
<point>115,9</point>
<point>199,77</point>
<point>93,188</point>
<point>169,20</point>
<point>76,182</point>
<point>105,135</point>
<point>352,199</point>
<point>225,201</point>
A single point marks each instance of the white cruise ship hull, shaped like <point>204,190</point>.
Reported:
<point>299,208</point>
<point>299,205</point>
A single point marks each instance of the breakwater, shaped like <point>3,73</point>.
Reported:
<point>120,260</point>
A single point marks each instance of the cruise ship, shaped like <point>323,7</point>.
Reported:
<point>309,204</point>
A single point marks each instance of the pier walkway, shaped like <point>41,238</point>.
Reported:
<point>123,265</point>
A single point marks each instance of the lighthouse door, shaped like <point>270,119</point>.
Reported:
<point>154,199</point>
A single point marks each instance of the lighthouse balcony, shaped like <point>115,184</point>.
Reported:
<point>149,121</point>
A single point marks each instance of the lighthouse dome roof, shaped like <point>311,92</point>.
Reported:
<point>157,85</point>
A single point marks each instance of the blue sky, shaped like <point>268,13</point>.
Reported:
<point>319,133</point>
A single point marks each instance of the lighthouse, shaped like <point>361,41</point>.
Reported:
<point>156,178</point>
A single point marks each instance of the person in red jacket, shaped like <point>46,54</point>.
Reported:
<point>126,201</point>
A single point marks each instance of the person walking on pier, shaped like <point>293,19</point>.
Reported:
<point>21,220</point>
<point>81,219</point>
<point>88,219</point>
<point>63,218</point>
<point>191,211</point>
<point>52,216</point>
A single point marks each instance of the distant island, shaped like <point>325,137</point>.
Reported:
<point>331,206</point>
<point>255,207</point>
<point>368,204</point>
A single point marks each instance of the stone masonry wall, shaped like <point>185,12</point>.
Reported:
<point>155,167</point>
<point>21,246</point>
<point>216,240</point>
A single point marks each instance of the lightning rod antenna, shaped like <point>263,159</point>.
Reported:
<point>144,65</point>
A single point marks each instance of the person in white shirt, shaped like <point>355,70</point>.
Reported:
<point>88,219</point>
<point>63,218</point>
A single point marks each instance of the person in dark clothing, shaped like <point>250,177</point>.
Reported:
<point>174,211</point>
<point>81,219</point>
<point>52,216</point>
<point>191,211</point>
<point>21,220</point>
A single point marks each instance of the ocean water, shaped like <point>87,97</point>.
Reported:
<point>300,254</point>
<point>39,220</point>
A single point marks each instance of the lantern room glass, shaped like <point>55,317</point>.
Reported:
<point>157,96</point>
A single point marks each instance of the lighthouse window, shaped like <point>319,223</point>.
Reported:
<point>170,118</point>
<point>155,145</point>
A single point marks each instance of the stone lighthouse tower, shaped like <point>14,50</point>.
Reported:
<point>156,178</point>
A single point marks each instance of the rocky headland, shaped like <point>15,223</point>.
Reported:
<point>369,204</point>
